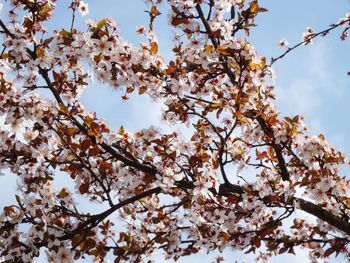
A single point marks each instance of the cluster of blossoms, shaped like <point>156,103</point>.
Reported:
<point>172,193</point>
<point>307,36</point>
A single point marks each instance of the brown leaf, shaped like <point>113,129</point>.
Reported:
<point>329,252</point>
<point>62,193</point>
<point>262,9</point>
<point>84,188</point>
<point>84,145</point>
<point>39,52</point>
<point>171,68</point>
<point>154,48</point>
<point>94,151</point>
<point>179,20</point>
<point>254,7</point>
<point>76,240</point>
<point>222,50</point>
<point>154,11</point>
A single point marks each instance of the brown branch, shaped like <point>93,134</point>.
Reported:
<point>106,147</point>
<point>276,147</point>
<point>306,206</point>
<point>86,166</point>
<point>96,219</point>
<point>324,215</point>
<point>6,30</point>
<point>214,41</point>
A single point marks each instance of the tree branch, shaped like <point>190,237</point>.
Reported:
<point>321,33</point>
<point>96,219</point>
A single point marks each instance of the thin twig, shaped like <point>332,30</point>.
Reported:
<point>306,41</point>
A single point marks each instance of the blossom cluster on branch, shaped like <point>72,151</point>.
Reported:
<point>236,181</point>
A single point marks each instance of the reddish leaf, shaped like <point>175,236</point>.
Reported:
<point>84,188</point>
<point>94,150</point>
<point>84,145</point>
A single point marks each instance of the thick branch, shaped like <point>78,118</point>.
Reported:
<point>324,215</point>
<point>96,219</point>
<point>6,29</point>
<point>306,206</point>
<point>277,148</point>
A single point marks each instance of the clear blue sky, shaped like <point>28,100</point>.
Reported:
<point>311,81</point>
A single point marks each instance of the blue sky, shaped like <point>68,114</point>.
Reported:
<point>311,81</point>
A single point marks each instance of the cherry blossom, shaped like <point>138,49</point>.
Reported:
<point>283,43</point>
<point>83,8</point>
<point>307,36</point>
